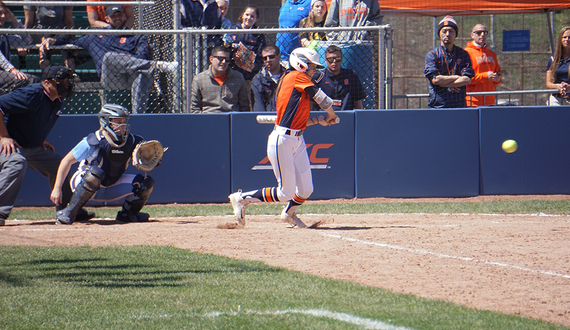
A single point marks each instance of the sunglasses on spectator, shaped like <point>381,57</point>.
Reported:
<point>482,32</point>
<point>334,59</point>
<point>222,58</point>
<point>268,57</point>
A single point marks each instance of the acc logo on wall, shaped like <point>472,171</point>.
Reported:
<point>317,163</point>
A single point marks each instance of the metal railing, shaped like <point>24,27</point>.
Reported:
<point>183,50</point>
<point>498,101</point>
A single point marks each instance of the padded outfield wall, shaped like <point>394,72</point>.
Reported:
<point>380,153</point>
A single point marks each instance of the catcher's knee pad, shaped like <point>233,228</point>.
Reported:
<point>92,178</point>
<point>142,187</point>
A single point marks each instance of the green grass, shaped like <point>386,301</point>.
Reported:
<point>152,287</point>
<point>528,206</point>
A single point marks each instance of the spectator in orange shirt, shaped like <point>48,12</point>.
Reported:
<point>485,65</point>
<point>96,16</point>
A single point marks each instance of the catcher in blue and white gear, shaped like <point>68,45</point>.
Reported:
<point>104,157</point>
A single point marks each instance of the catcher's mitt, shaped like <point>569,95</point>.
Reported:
<point>147,155</point>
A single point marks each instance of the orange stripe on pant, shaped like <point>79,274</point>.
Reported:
<point>298,199</point>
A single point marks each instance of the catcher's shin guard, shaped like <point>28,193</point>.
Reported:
<point>131,212</point>
<point>87,187</point>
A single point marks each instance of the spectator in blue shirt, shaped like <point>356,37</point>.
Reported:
<point>264,84</point>
<point>123,61</point>
<point>290,15</point>
<point>340,84</point>
<point>558,70</point>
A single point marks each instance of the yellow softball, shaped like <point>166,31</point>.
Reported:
<point>510,146</point>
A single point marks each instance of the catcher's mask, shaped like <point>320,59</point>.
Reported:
<point>115,133</point>
<point>64,79</point>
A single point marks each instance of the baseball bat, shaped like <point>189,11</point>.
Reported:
<point>270,119</point>
<point>266,119</point>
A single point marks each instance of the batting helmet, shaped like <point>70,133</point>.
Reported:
<point>300,59</point>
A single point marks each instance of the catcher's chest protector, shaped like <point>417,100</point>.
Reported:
<point>113,161</point>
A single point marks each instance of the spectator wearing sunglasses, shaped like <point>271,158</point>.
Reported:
<point>264,83</point>
<point>219,88</point>
<point>485,65</point>
<point>342,85</point>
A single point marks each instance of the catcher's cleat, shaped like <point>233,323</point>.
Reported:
<point>293,220</point>
<point>239,205</point>
<point>124,216</point>
<point>2,222</point>
<point>62,218</point>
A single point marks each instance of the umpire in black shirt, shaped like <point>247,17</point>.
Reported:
<point>31,113</point>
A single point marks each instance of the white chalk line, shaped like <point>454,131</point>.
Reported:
<point>448,256</point>
<point>366,323</point>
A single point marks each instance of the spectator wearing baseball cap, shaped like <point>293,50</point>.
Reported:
<point>113,9</point>
<point>96,15</point>
<point>448,69</point>
<point>33,111</point>
<point>123,61</point>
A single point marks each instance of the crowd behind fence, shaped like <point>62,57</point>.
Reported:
<point>170,90</point>
<point>374,60</point>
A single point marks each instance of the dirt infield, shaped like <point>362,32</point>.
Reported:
<point>516,264</point>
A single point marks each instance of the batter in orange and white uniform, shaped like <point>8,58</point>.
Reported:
<point>286,147</point>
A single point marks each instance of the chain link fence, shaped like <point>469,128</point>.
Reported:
<point>390,62</point>
<point>160,80</point>
<point>522,70</point>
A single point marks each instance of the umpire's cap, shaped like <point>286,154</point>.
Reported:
<point>59,72</point>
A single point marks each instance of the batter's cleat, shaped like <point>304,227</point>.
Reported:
<point>293,220</point>
<point>2,222</point>
<point>239,205</point>
<point>125,217</point>
<point>84,215</point>
<point>61,218</point>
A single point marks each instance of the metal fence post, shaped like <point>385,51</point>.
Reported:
<point>189,69</point>
<point>388,58</point>
<point>176,101</point>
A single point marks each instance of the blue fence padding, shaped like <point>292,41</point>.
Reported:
<point>196,167</point>
<point>382,153</point>
<point>67,132</point>
<point>330,149</point>
<point>417,153</point>
<point>542,162</point>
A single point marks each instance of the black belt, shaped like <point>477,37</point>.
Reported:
<point>298,133</point>
<point>284,131</point>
